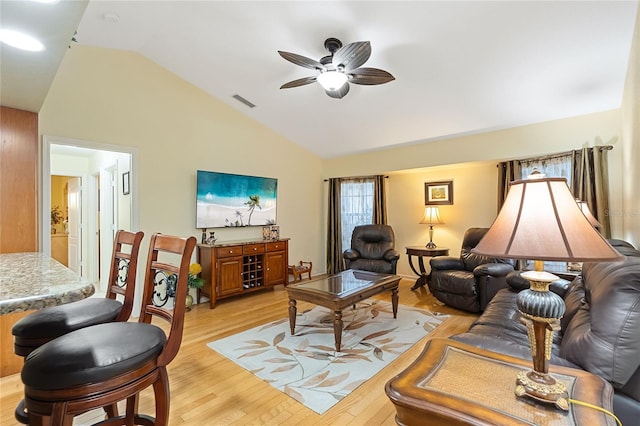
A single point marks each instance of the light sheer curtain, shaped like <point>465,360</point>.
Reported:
<point>356,206</point>
<point>353,201</point>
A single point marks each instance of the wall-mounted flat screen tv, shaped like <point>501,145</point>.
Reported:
<point>228,200</point>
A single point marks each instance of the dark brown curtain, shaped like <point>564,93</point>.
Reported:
<point>590,183</point>
<point>379,201</point>
<point>334,226</point>
<point>335,261</point>
<point>508,171</point>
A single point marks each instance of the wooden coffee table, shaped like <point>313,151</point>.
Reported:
<point>452,383</point>
<point>339,291</point>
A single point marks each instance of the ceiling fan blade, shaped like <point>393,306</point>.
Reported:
<point>299,82</point>
<point>370,76</point>
<point>340,93</point>
<point>303,61</point>
<point>352,55</point>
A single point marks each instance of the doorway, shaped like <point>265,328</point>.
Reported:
<point>99,205</point>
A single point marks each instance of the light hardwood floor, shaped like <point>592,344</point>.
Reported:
<point>209,389</point>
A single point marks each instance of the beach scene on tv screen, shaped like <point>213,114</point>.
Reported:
<point>229,200</point>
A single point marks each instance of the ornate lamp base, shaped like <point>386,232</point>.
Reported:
<point>542,388</point>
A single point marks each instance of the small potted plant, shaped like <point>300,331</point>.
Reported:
<point>195,281</point>
<point>56,218</point>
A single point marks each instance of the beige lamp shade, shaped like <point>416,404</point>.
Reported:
<point>541,220</point>
<point>587,213</point>
<point>431,216</point>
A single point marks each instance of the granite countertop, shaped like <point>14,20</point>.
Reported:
<point>36,280</point>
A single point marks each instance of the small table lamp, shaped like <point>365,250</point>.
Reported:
<point>541,220</point>
<point>431,217</point>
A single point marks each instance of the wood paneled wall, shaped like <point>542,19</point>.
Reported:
<point>18,181</point>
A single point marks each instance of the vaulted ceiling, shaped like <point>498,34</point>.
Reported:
<point>459,67</point>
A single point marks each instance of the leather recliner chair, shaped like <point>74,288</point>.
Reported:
<point>372,249</point>
<point>470,281</point>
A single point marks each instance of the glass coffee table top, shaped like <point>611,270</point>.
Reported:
<point>344,282</point>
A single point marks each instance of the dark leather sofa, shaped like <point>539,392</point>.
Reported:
<point>470,281</point>
<point>600,331</point>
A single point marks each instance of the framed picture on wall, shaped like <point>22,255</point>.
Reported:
<point>438,193</point>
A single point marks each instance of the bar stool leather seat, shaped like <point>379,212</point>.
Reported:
<point>91,355</point>
<point>47,324</point>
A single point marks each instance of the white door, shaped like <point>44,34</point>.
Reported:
<point>74,200</point>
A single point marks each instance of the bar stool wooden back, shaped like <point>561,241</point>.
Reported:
<point>46,324</point>
<point>100,365</point>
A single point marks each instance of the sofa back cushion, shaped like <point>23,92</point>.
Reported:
<point>603,334</point>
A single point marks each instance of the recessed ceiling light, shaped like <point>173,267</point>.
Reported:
<point>20,40</point>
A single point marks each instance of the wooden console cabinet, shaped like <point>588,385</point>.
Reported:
<point>238,267</point>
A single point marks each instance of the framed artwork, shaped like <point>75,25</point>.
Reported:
<point>125,183</point>
<point>438,193</point>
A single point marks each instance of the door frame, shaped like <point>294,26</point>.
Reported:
<point>89,234</point>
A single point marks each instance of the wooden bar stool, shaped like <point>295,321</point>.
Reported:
<point>100,365</point>
<point>46,324</point>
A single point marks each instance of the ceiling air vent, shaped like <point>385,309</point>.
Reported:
<point>243,100</point>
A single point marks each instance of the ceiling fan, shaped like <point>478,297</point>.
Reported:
<point>339,68</point>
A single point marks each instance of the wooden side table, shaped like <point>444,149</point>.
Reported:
<point>421,252</point>
<point>452,383</point>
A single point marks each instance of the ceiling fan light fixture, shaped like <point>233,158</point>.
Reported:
<point>332,80</point>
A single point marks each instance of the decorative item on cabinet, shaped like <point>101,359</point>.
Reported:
<point>239,267</point>
<point>275,232</point>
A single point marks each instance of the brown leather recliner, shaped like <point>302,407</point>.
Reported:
<point>372,249</point>
<point>470,281</point>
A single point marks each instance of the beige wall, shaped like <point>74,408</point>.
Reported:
<point>474,204</point>
<point>121,98</point>
<point>629,211</point>
<point>470,162</point>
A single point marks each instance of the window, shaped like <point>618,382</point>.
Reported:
<point>552,167</point>
<point>356,206</point>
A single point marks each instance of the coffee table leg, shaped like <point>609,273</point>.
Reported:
<point>292,315</point>
<point>337,328</point>
<point>394,302</point>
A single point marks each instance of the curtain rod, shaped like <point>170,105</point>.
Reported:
<point>559,154</point>
<point>356,177</point>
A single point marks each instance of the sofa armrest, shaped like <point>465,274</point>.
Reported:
<point>446,263</point>
<point>495,269</point>
<point>351,254</point>
<point>391,255</point>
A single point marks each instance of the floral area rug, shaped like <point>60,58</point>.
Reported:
<point>307,367</point>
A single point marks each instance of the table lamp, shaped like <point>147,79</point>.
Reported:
<point>587,212</point>
<point>541,220</point>
<point>431,217</point>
